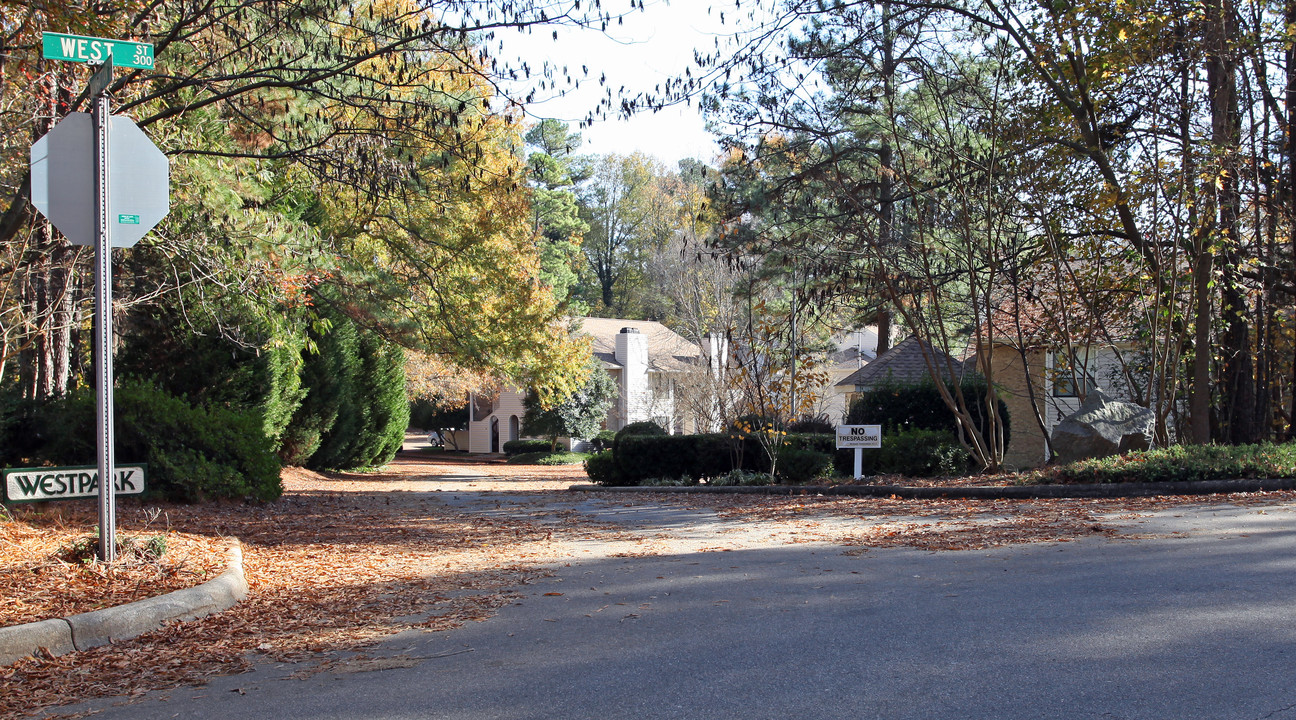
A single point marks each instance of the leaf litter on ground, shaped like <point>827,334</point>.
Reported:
<point>346,559</point>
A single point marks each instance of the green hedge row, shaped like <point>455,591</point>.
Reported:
<point>524,446</point>
<point>636,458</point>
<point>1179,463</point>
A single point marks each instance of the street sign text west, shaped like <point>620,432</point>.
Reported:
<point>77,48</point>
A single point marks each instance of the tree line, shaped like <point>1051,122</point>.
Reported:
<point>1028,175</point>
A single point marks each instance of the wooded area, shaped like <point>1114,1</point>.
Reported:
<point>1035,175</point>
<point>984,174</point>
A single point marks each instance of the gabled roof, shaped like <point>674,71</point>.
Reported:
<point>667,349</point>
<point>903,364</point>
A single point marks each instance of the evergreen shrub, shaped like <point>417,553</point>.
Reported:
<point>328,375</point>
<point>919,406</point>
<point>372,409</point>
<point>1179,463</point>
<point>643,427</point>
<point>797,465</point>
<point>602,469</point>
<point>814,425</point>
<point>193,453</point>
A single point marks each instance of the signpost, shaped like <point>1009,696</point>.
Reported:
<point>859,437</point>
<point>100,181</point>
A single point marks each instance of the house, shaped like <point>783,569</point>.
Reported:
<point>1043,373</point>
<point>661,376</point>
<point>904,364</point>
<point>854,350</point>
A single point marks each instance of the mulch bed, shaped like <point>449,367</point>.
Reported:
<point>48,567</point>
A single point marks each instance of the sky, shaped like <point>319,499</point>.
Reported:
<point>650,47</point>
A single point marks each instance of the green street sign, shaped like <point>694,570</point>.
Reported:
<point>76,48</point>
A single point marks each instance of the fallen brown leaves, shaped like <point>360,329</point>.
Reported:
<point>40,577</point>
<point>328,571</point>
<point>344,559</point>
<point>948,524</point>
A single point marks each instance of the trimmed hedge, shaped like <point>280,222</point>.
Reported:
<point>601,468</point>
<point>797,465</point>
<point>803,458</point>
<point>527,445</point>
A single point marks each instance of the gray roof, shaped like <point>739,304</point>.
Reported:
<point>667,349</point>
<point>903,364</point>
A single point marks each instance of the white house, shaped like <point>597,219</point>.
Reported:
<point>656,370</point>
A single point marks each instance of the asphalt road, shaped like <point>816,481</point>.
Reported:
<point>1198,624</point>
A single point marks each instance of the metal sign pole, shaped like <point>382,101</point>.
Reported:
<point>103,330</point>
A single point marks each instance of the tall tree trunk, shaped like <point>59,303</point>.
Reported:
<point>1199,396</point>
<point>1237,373</point>
<point>1288,188</point>
<point>886,171</point>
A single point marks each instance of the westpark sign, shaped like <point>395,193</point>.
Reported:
<point>68,483</point>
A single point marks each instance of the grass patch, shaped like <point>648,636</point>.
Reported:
<point>1178,463</point>
<point>562,457</point>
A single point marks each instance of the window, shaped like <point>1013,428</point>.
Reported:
<point>1069,368</point>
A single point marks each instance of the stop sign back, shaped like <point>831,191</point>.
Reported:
<point>63,186</point>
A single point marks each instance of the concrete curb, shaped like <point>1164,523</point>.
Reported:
<point>987,492</point>
<point>60,636</point>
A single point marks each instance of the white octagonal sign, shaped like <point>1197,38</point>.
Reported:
<point>63,183</point>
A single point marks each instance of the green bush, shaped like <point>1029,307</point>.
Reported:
<point>602,469</point>
<point>922,453</point>
<point>919,406</point>
<point>328,373</point>
<point>187,355</point>
<point>1179,463</point>
<point>741,477</point>
<point>816,425</point>
<point>803,457</point>
<point>562,457</point>
<point>796,465</point>
<point>193,453</point>
<point>518,447</point>
<point>603,440</point>
<point>643,427</point>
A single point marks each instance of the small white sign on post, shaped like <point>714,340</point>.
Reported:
<point>859,437</point>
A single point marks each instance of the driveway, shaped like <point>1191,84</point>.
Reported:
<point>675,610</point>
